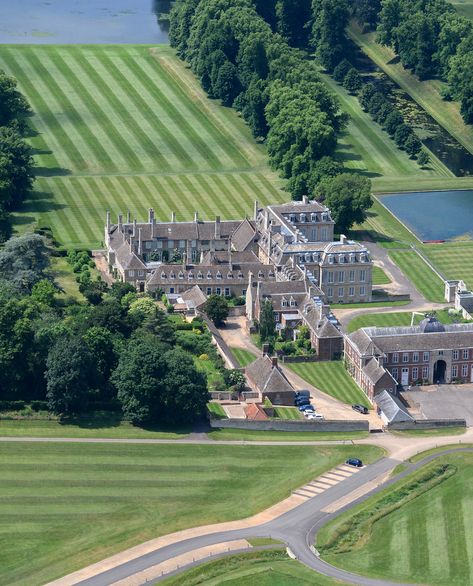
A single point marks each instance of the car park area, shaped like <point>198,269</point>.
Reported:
<point>441,402</point>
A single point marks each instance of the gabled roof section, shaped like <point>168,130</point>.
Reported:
<point>392,408</point>
<point>244,235</point>
<point>267,377</point>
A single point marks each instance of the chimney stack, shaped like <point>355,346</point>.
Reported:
<point>173,217</point>
<point>109,222</point>
<point>120,222</point>
<point>255,211</point>
<point>128,217</point>
<point>305,199</point>
<point>134,228</point>
<point>265,349</point>
<point>151,216</point>
<point>343,239</point>
<point>274,361</point>
<point>196,216</point>
<point>140,247</point>
<point>217,227</point>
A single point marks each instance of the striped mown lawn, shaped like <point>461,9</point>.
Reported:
<point>64,506</point>
<point>380,277</point>
<point>128,127</point>
<point>243,356</point>
<point>454,259</point>
<point>398,318</point>
<point>288,413</point>
<point>426,541</point>
<point>420,274</point>
<point>333,379</point>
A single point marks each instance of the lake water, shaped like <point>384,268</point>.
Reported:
<point>83,21</point>
<point>434,215</point>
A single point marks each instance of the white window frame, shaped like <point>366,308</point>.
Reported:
<point>415,357</point>
<point>455,371</point>
<point>464,370</point>
<point>456,354</point>
<point>395,358</point>
<point>405,357</point>
<point>465,354</point>
<point>425,357</point>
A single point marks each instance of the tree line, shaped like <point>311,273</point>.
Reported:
<point>241,52</point>
<point>16,162</point>
<point>118,352</point>
<point>431,39</point>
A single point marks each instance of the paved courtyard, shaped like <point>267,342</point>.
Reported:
<point>442,402</point>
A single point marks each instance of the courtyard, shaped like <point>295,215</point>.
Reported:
<point>441,402</point>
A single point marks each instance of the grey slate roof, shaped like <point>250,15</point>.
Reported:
<point>243,235</point>
<point>392,408</point>
<point>374,371</point>
<point>194,297</point>
<point>266,377</point>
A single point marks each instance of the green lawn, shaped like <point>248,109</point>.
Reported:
<point>425,93</point>
<point>102,426</point>
<point>259,568</point>
<point>216,410</point>
<point>64,506</point>
<point>398,318</point>
<point>426,539</point>
<point>128,126</point>
<point>65,278</point>
<point>380,277</point>
<point>234,434</point>
<point>453,259</point>
<point>288,413</point>
<point>369,305</point>
<point>464,7</point>
<point>367,148</point>
<point>420,274</point>
<point>333,379</point>
<point>243,356</point>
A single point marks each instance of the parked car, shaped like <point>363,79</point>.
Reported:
<point>302,393</point>
<point>317,416</point>
<point>360,409</point>
<point>354,462</point>
<point>307,408</point>
<point>302,401</point>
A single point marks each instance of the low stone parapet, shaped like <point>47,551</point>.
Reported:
<point>291,425</point>
<point>426,424</point>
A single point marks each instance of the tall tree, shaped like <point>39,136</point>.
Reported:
<point>349,197</point>
<point>267,323</point>
<point>13,105</point>
<point>330,19</point>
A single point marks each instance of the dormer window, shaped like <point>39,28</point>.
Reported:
<point>219,275</point>
<point>313,217</point>
<point>190,276</point>
<point>341,258</point>
<point>292,218</point>
<point>163,275</point>
<point>315,257</point>
<point>363,257</point>
<point>240,275</point>
<point>209,275</point>
<point>331,259</point>
<point>352,257</point>
<point>284,302</point>
<point>260,275</point>
<point>307,257</point>
<point>200,275</point>
<point>293,302</point>
<point>181,275</point>
<point>172,275</point>
<point>271,274</point>
<point>229,275</point>
<point>324,216</point>
<point>303,218</point>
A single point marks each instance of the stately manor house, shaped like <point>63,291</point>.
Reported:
<point>284,253</point>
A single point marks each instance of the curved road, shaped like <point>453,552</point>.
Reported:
<point>297,528</point>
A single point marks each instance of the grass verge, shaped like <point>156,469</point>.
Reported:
<point>420,274</point>
<point>284,436</point>
<point>380,277</point>
<point>243,356</point>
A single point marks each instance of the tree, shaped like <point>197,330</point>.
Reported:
<point>69,373</point>
<point>412,145</point>
<point>352,81</point>
<point>341,70</point>
<point>401,135</point>
<point>186,394</point>
<point>23,261</point>
<point>227,85</point>
<point>292,18</point>
<point>216,308</point>
<point>330,18</point>
<point>93,290</point>
<point>13,105</point>
<point>349,197</point>
<point>16,168</point>
<point>139,378</point>
<point>368,91</point>
<point>267,323</point>
<point>423,158</point>
<point>235,378</point>
<point>44,292</point>
<point>392,122</point>
<point>103,347</point>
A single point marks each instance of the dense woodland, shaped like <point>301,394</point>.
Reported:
<point>16,162</point>
<point>116,351</point>
<point>430,38</point>
<point>250,56</point>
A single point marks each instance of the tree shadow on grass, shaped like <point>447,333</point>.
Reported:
<point>51,171</point>
<point>113,419</point>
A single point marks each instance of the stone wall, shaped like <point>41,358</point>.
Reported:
<point>298,359</point>
<point>291,425</point>
<point>427,424</point>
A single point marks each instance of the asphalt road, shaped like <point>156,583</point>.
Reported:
<point>297,528</point>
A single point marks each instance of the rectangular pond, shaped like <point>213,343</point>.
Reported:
<point>434,215</point>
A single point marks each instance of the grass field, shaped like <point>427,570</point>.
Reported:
<point>398,318</point>
<point>425,93</point>
<point>421,275</point>
<point>263,568</point>
<point>453,259</point>
<point>333,379</point>
<point>243,356</point>
<point>216,410</point>
<point>64,506</point>
<point>284,436</point>
<point>127,126</point>
<point>287,413</point>
<point>464,7</point>
<point>380,277</point>
<point>427,540</point>
<point>367,148</point>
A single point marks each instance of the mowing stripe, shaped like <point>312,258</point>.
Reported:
<point>456,548</point>
<point>399,546</point>
<point>437,540</point>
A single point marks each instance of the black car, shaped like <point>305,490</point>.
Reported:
<point>354,462</point>
<point>302,394</point>
<point>360,409</point>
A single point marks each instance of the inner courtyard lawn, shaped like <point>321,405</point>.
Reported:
<point>333,379</point>
<point>64,505</point>
<point>243,356</point>
<point>427,540</point>
<point>128,127</point>
<point>396,318</point>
